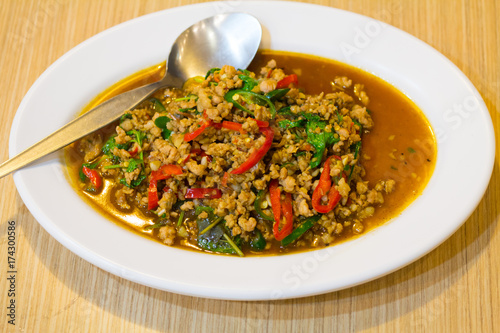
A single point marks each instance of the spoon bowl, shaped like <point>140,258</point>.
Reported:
<point>224,39</point>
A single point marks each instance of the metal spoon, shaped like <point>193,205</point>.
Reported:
<point>224,39</point>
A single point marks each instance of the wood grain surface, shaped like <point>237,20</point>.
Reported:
<point>455,288</point>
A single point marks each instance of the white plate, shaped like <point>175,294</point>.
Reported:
<point>451,103</point>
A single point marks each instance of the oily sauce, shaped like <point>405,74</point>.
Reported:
<point>401,145</point>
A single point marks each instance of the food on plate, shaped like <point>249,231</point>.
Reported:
<point>299,153</point>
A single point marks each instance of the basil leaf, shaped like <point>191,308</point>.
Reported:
<point>110,145</point>
<point>161,122</point>
<point>135,182</point>
<point>248,82</point>
<point>285,124</point>
<point>125,116</point>
<point>319,139</point>
<point>250,97</point>
<point>211,71</point>
<point>157,105</point>
<point>213,240</point>
<point>277,94</point>
<point>133,164</point>
<point>257,242</point>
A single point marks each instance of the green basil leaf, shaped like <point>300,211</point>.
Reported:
<point>162,121</point>
<point>157,105</point>
<point>212,71</point>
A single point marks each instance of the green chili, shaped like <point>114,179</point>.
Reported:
<point>300,230</point>
<point>277,94</point>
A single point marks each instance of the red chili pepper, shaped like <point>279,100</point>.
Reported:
<point>186,159</point>
<point>200,152</point>
<point>209,158</point>
<point>164,172</point>
<point>275,196</point>
<point>93,175</point>
<point>203,193</point>
<point>280,230</point>
<point>233,126</point>
<point>153,193</point>
<point>225,178</point>
<point>324,187</point>
<point>195,151</point>
<point>286,81</point>
<point>239,127</point>
<point>190,136</point>
<point>134,151</point>
<point>258,154</point>
<point>262,123</point>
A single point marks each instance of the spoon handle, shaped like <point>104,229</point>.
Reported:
<point>87,123</point>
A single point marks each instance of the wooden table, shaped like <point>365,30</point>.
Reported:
<point>454,288</point>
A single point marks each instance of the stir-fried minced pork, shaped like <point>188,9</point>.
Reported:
<point>239,160</point>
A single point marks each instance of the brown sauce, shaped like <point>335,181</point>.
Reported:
<point>401,145</point>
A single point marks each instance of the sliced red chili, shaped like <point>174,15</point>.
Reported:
<point>199,152</point>
<point>153,193</point>
<point>190,136</point>
<point>164,172</point>
<point>239,127</point>
<point>233,126</point>
<point>134,151</point>
<point>286,81</point>
<point>281,230</point>
<point>225,178</point>
<point>275,196</point>
<point>186,159</point>
<point>324,187</point>
<point>262,123</point>
<point>93,175</point>
<point>257,154</point>
<point>203,193</point>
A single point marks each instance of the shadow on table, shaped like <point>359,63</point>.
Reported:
<point>434,281</point>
